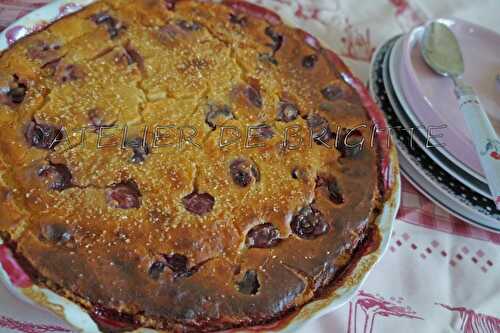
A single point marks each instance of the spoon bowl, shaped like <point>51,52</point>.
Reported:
<point>441,50</point>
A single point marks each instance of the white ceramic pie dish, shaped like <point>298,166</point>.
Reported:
<point>12,275</point>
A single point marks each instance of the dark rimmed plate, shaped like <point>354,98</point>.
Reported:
<point>401,108</point>
<point>430,178</point>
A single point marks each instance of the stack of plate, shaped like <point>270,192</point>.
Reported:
<point>436,152</point>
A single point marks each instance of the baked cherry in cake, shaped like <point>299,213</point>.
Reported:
<point>168,229</point>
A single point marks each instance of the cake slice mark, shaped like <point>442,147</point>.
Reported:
<point>134,57</point>
<point>104,52</point>
<point>177,263</point>
<point>126,56</point>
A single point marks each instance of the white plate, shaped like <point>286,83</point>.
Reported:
<point>404,113</point>
<point>428,177</point>
<point>394,66</point>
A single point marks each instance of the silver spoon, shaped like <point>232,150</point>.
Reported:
<point>442,53</point>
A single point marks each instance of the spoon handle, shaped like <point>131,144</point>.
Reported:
<point>483,135</point>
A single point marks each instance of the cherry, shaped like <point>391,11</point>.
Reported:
<point>244,172</point>
<point>263,236</point>
<point>287,112</point>
<point>320,129</point>
<point>253,96</point>
<point>309,61</point>
<point>140,150</point>
<point>350,143</point>
<point>217,112</point>
<point>178,264</point>
<point>113,25</point>
<point>43,136</point>
<point>56,233</point>
<point>332,92</point>
<point>14,93</point>
<point>198,203</point>
<point>58,176</point>
<point>125,195</point>
<point>67,72</point>
<point>309,223</point>
<point>156,269</point>
<point>249,285</point>
<point>495,155</point>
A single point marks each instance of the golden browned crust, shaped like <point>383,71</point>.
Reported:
<point>198,238</point>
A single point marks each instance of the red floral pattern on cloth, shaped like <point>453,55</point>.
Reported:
<point>418,210</point>
<point>357,45</point>
<point>480,260</point>
<point>473,322</point>
<point>16,274</point>
<point>13,9</point>
<point>367,309</point>
<point>371,307</point>
<point>25,327</point>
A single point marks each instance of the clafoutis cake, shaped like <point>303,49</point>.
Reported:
<point>184,166</point>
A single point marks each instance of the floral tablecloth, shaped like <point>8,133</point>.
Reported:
<point>440,274</point>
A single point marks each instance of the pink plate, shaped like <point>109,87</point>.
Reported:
<point>431,97</point>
